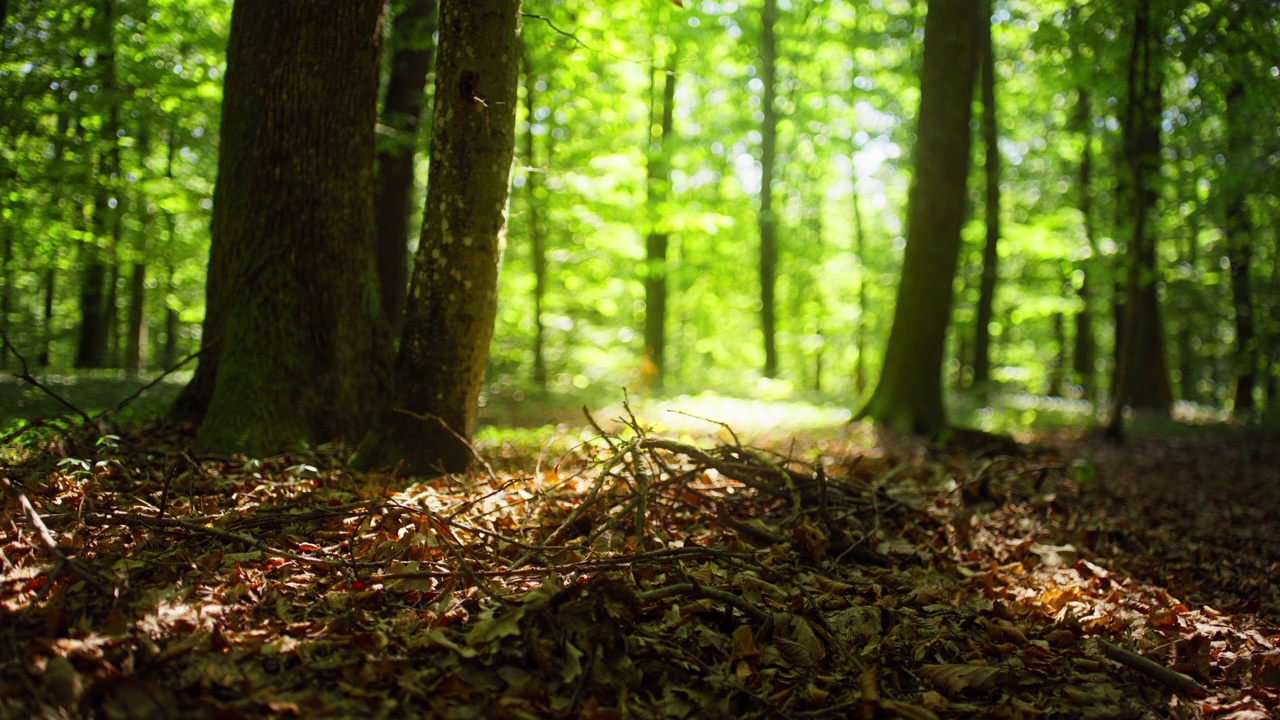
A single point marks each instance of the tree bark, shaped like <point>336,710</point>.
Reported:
<point>655,275</point>
<point>412,54</point>
<point>6,290</point>
<point>136,336</point>
<point>908,396</point>
<point>424,426</point>
<point>1142,361</point>
<point>46,326</point>
<point>768,223</point>
<point>97,289</point>
<point>1239,249</point>
<point>294,336</point>
<point>537,234</point>
<point>1085,353</point>
<point>990,250</point>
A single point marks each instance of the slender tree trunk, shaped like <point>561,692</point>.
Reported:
<point>294,330</point>
<point>1059,356</point>
<point>136,337</point>
<point>1143,364</point>
<point>46,326</point>
<point>908,397</point>
<point>1240,251</point>
<point>655,275</point>
<point>537,234</point>
<point>170,352</point>
<point>768,223</point>
<point>97,292</point>
<point>412,54</point>
<point>1085,353</point>
<point>860,333</point>
<point>1188,365</point>
<point>6,291</point>
<point>990,250</point>
<point>423,426</point>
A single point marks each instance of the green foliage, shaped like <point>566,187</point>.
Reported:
<point>847,95</point>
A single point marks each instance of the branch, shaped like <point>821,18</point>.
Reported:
<point>50,544</point>
<point>30,379</point>
<point>1154,670</point>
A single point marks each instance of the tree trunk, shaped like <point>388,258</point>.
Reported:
<point>97,290</point>
<point>990,251</point>
<point>768,223</point>
<point>860,333</point>
<point>1085,353</point>
<point>423,426</point>
<point>537,235</point>
<point>46,325</point>
<point>908,397</point>
<point>294,332</point>
<point>1142,362</point>
<point>6,291</point>
<point>136,336</point>
<point>1239,249</point>
<point>412,53</point>
<point>170,352</point>
<point>655,275</point>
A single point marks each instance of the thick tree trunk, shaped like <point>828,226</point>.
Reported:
<point>1085,353</point>
<point>990,250</point>
<point>908,397</point>
<point>1142,360</point>
<point>412,53</point>
<point>537,234</point>
<point>768,223</point>
<point>431,411</point>
<point>655,275</point>
<point>294,333</point>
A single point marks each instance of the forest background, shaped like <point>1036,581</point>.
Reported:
<point>746,173</point>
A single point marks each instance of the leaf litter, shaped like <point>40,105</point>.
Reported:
<point>642,576</point>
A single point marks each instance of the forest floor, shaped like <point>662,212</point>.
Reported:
<point>786,564</point>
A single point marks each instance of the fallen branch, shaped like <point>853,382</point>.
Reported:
<point>1154,670</point>
<point>702,591</point>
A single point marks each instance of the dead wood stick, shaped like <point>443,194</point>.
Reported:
<point>50,544</point>
<point>172,522</point>
<point>723,596</point>
<point>1154,670</point>
<point>735,471</point>
<point>839,547</point>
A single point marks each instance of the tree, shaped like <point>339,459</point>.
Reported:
<point>658,188</point>
<point>768,221</point>
<point>431,409</point>
<point>412,53</point>
<point>537,235</point>
<point>990,250</point>
<point>908,396</point>
<point>1142,364</point>
<point>294,346</point>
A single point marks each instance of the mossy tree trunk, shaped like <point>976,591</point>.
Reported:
<point>431,410</point>
<point>294,338</point>
<point>412,53</point>
<point>908,396</point>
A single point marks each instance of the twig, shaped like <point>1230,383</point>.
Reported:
<point>835,638</point>
<point>120,518</point>
<point>690,588</point>
<point>1154,670</point>
<point>458,436</point>
<point>30,379</point>
<point>125,402</point>
<point>734,471</point>
<point>46,539</point>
